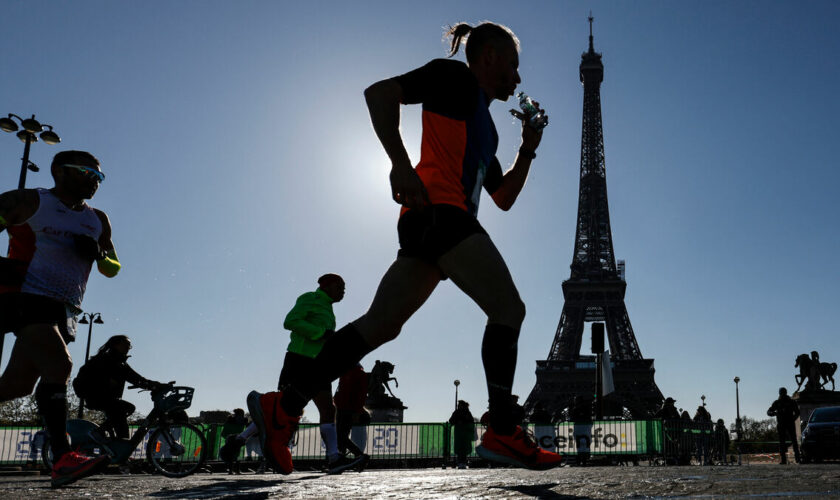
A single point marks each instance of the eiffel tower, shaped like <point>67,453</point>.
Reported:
<point>595,290</point>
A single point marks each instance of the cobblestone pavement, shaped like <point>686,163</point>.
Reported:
<point>753,481</point>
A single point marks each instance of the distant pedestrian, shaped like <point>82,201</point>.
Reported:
<point>234,424</point>
<point>668,411</point>
<point>702,434</point>
<point>581,410</point>
<point>721,440</point>
<point>786,412</point>
<point>687,439</point>
<point>672,429</point>
<point>463,424</point>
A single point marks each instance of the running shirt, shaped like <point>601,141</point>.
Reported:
<point>458,148</point>
<point>308,320</point>
<point>45,243</point>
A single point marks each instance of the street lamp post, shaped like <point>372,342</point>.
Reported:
<point>31,126</point>
<point>737,420</point>
<point>88,319</point>
<point>457,383</point>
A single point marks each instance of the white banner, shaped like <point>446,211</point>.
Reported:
<point>597,437</point>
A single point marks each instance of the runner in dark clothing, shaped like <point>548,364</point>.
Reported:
<point>101,382</point>
<point>439,234</point>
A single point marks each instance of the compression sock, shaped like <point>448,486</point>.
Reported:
<point>340,353</point>
<point>51,399</point>
<point>330,437</point>
<point>498,353</point>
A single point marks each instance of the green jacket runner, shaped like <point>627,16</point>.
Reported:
<point>308,320</point>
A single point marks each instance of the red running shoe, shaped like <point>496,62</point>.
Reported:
<point>275,427</point>
<point>519,449</point>
<point>73,466</point>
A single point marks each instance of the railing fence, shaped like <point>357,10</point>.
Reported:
<point>669,442</point>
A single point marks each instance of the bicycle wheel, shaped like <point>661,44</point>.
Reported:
<point>177,450</point>
<point>88,448</point>
<point>47,456</point>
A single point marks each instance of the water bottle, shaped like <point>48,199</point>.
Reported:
<point>530,112</point>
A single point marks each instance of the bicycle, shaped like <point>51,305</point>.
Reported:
<point>175,448</point>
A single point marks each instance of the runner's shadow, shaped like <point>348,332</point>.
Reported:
<point>540,491</point>
<point>221,489</point>
<point>230,489</point>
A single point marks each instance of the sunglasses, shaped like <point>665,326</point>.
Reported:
<point>89,172</point>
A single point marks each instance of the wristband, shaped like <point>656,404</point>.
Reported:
<point>527,153</point>
<point>110,265</point>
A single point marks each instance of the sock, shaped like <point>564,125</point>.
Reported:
<point>248,432</point>
<point>330,437</point>
<point>51,399</point>
<point>340,353</point>
<point>498,353</point>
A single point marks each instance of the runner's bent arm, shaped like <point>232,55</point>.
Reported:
<point>514,179</point>
<point>298,319</point>
<point>383,101</point>
<point>17,206</point>
<point>109,265</point>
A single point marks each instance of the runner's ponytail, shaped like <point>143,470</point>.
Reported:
<point>476,37</point>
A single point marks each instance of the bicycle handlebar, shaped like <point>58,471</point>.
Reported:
<point>158,386</point>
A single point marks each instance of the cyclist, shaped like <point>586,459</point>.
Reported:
<point>311,322</point>
<point>54,238</point>
<point>439,234</point>
<point>101,382</point>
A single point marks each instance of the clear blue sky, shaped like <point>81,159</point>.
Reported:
<point>241,165</point>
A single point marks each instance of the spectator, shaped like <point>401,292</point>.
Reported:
<point>668,410</point>
<point>234,424</point>
<point>464,433</point>
<point>786,412</point>
<point>721,440</point>
<point>702,432</point>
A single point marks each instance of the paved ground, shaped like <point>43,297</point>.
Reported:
<point>753,481</point>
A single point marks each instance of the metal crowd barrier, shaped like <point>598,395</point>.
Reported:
<point>686,442</point>
<point>396,444</point>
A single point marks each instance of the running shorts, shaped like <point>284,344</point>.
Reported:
<point>429,232</point>
<point>18,310</point>
<point>297,370</point>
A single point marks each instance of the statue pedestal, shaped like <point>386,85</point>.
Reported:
<point>809,401</point>
<point>385,409</point>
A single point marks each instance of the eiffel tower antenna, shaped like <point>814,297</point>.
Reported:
<point>594,292</point>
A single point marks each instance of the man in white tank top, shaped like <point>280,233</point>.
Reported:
<point>54,239</point>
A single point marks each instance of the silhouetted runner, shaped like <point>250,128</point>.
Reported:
<point>311,322</point>
<point>54,239</point>
<point>439,234</point>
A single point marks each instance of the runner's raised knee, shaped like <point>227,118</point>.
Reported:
<point>509,313</point>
